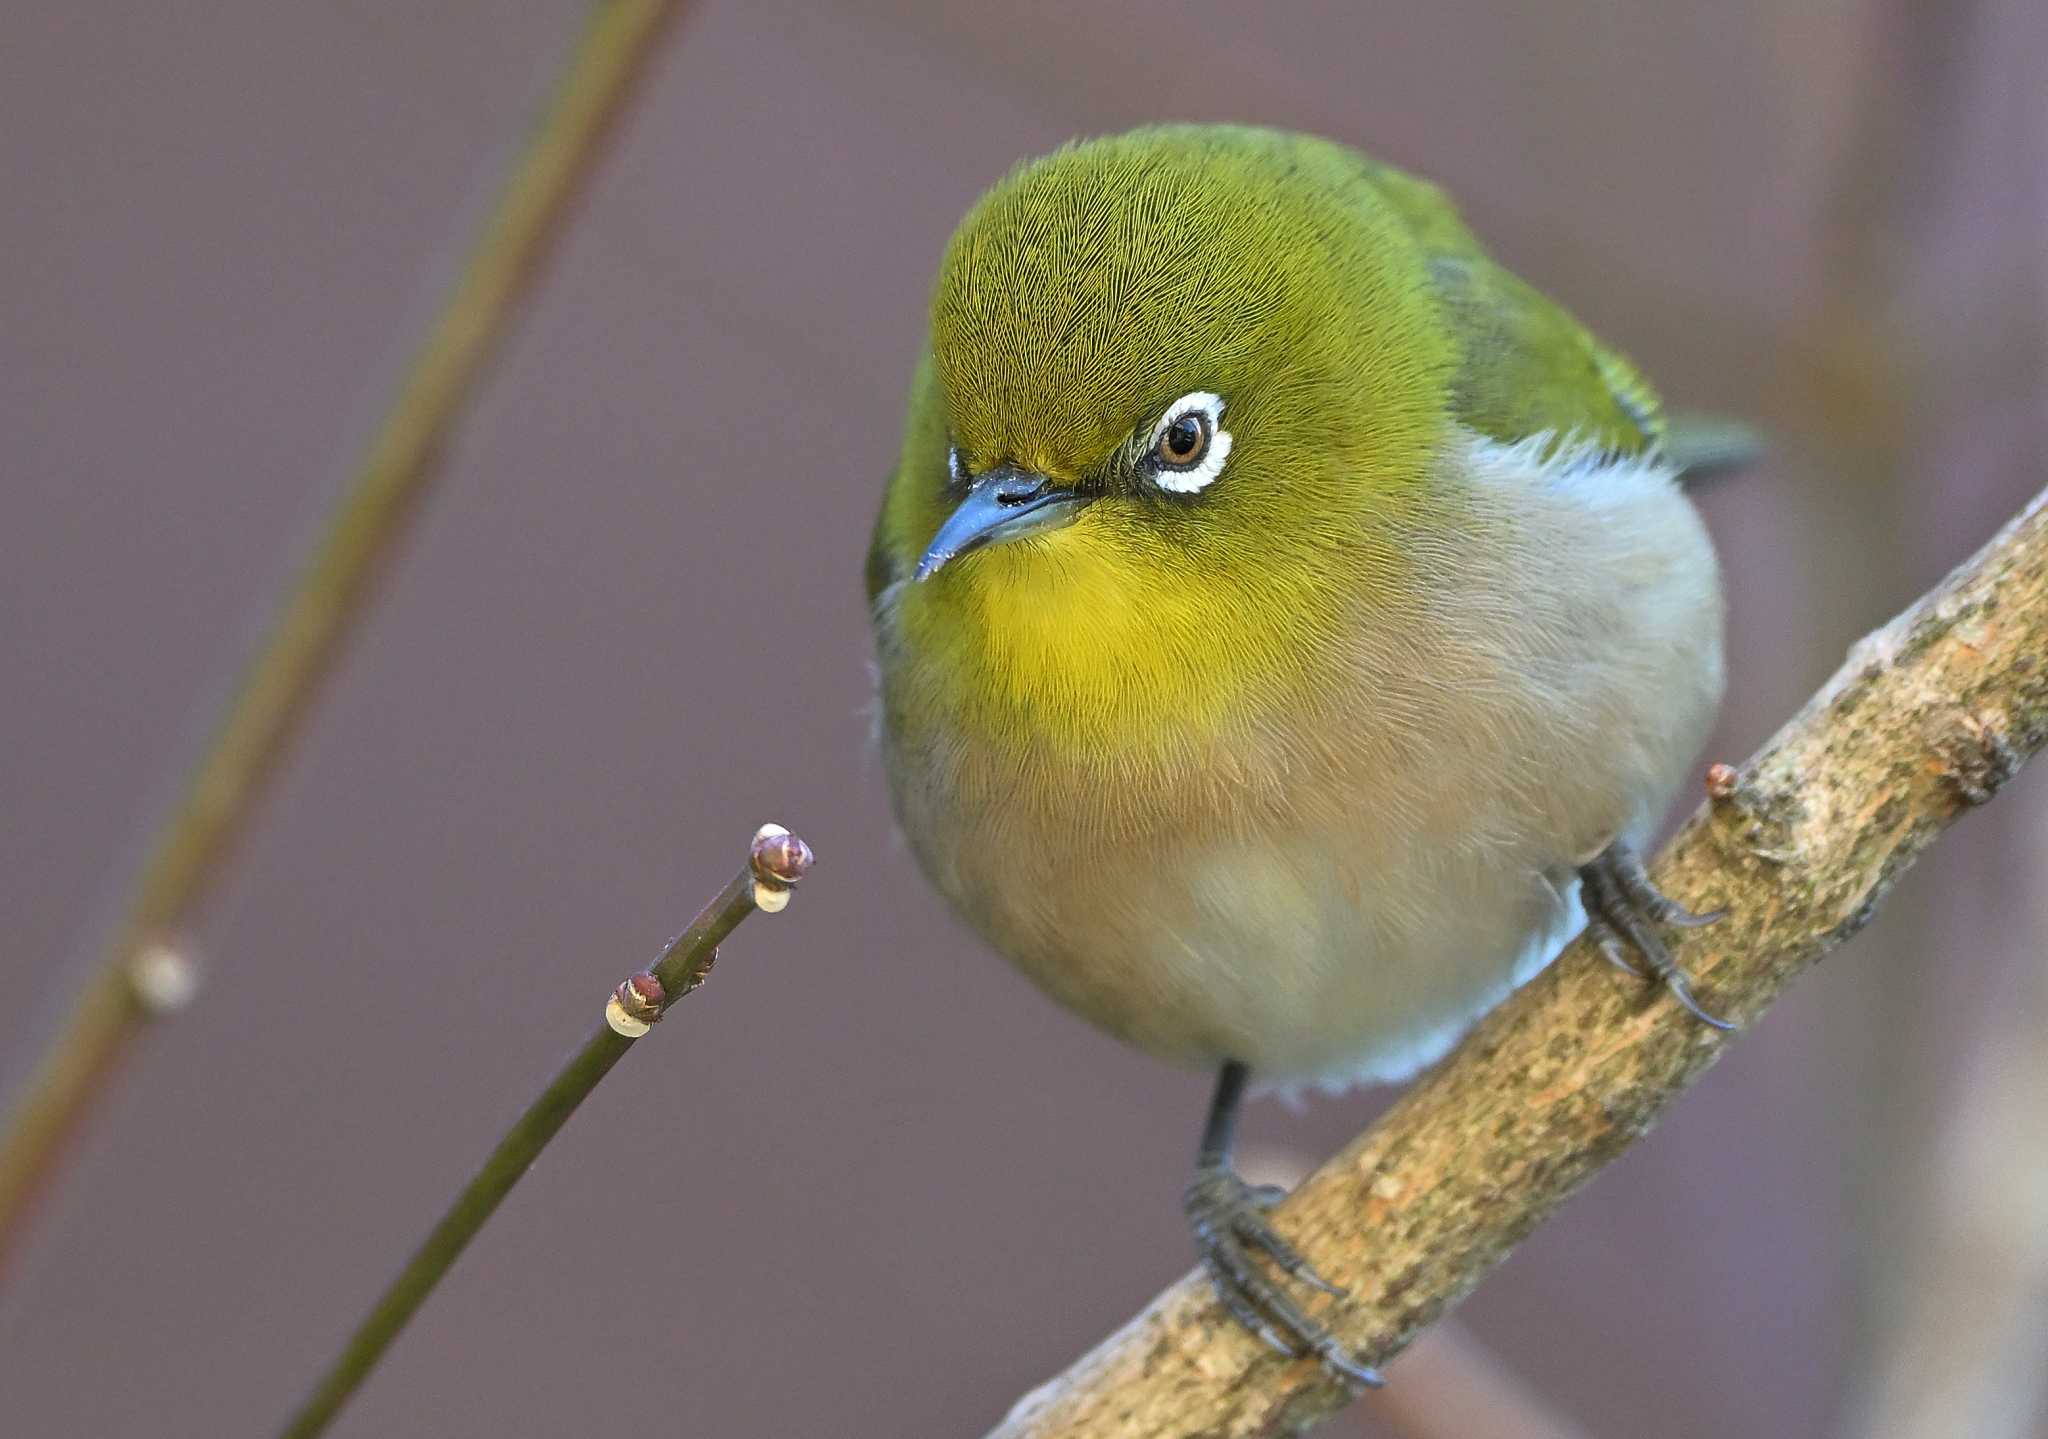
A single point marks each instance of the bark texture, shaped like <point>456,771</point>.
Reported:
<point>1926,720</point>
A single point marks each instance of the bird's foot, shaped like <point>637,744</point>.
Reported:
<point>1624,907</point>
<point>1232,1233</point>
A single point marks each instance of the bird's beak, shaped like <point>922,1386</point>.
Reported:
<point>1005,504</point>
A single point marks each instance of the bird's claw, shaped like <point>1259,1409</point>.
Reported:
<point>1229,1221</point>
<point>1622,908</point>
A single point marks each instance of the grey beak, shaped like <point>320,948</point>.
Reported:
<point>1005,504</point>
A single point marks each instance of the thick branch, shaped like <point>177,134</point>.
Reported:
<point>1926,719</point>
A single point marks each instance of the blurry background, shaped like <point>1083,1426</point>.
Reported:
<point>891,1187</point>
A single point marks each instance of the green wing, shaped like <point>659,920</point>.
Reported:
<point>1528,366</point>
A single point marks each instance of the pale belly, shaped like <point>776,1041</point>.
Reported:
<point>1334,896</point>
<point>1330,950</point>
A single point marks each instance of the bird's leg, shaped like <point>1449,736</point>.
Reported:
<point>1231,1232</point>
<point>1624,907</point>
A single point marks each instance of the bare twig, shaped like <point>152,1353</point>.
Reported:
<point>278,689</point>
<point>775,862</point>
<point>1929,716</point>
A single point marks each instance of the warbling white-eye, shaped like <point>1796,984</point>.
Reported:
<point>1288,621</point>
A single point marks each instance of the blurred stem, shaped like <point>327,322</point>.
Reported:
<point>1865,389</point>
<point>277,691</point>
<point>1448,1386</point>
<point>1963,1351</point>
<point>681,968</point>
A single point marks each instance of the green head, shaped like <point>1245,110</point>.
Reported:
<point>1177,380</point>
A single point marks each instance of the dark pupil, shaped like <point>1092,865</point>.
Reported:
<point>1184,438</point>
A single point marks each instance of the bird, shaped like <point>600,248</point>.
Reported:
<point>1289,624</point>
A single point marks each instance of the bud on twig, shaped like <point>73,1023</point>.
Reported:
<point>779,859</point>
<point>635,1006</point>
<point>1721,781</point>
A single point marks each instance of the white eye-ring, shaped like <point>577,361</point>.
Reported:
<point>1188,446</point>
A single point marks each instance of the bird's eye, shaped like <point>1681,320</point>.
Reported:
<point>1189,444</point>
<point>1185,439</point>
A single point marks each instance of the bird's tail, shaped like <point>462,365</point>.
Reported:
<point>1707,447</point>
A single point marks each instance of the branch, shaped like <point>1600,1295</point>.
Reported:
<point>1929,716</point>
<point>277,691</point>
<point>775,862</point>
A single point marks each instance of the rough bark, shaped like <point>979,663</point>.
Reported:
<point>1928,717</point>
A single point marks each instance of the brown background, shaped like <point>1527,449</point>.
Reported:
<point>868,1183</point>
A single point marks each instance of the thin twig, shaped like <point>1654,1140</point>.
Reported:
<point>1928,718</point>
<point>776,861</point>
<point>278,689</point>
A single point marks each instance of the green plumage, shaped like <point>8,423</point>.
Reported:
<point>1223,250</point>
<point>1525,365</point>
<point>1278,606</point>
